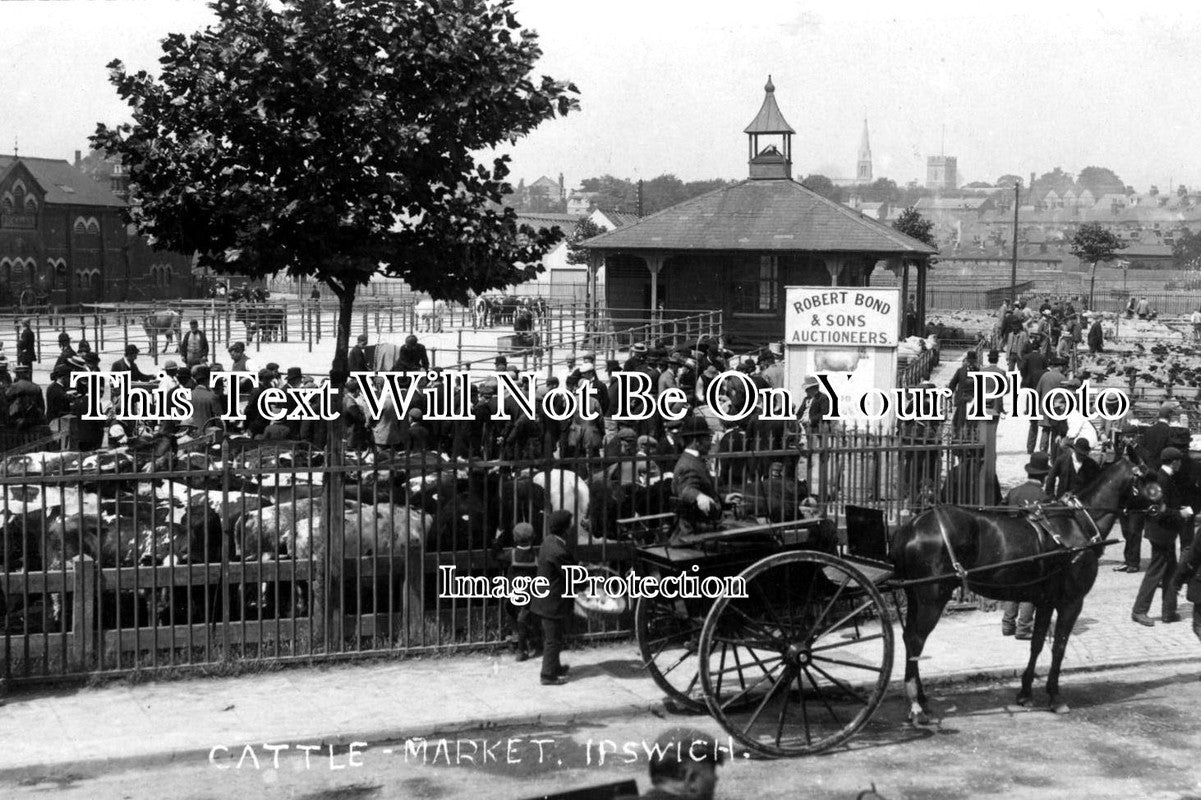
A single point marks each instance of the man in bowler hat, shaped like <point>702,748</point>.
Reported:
<point>554,610</point>
<point>1161,531</point>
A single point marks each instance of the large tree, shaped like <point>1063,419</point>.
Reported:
<point>911,223</point>
<point>336,140</point>
<point>1094,244</point>
<point>585,228</point>
<point>823,186</point>
<point>1100,180</point>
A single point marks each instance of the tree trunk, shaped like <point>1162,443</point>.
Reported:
<point>1092,284</point>
<point>340,366</point>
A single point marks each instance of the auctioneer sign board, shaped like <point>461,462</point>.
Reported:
<point>850,334</point>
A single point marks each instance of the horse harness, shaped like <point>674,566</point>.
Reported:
<point>1037,516</point>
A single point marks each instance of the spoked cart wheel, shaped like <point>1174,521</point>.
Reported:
<point>667,640</point>
<point>802,662</point>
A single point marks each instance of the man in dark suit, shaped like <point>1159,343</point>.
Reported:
<point>1187,573</point>
<point>1162,530</point>
<point>1017,619</point>
<point>26,344</point>
<point>1073,470</point>
<point>554,610</point>
<point>1096,336</point>
<point>697,500</point>
<point>356,359</point>
<point>128,364</point>
<point>1158,436</point>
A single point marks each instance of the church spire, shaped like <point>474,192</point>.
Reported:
<point>864,172</point>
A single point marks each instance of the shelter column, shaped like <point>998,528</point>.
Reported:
<point>654,264</point>
<point>592,314</point>
<point>834,267</point>
<point>923,267</point>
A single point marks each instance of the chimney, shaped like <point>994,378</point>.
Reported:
<point>562,188</point>
<point>78,158</point>
<point>1031,180</point>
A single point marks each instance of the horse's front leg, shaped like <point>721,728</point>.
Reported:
<point>1042,621</point>
<point>1065,621</point>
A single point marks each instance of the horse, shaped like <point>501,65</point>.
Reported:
<point>952,541</point>
<point>165,323</point>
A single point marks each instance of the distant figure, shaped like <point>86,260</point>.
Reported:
<point>315,295</point>
<point>26,344</point>
<point>1096,336</point>
<point>1195,319</point>
<point>195,345</point>
<point>1143,309</point>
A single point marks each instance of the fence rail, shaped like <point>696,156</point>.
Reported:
<point>278,551</point>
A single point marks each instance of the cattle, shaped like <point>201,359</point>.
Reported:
<point>430,315</point>
<point>295,532</point>
<point>266,321</point>
<point>479,510</point>
<point>166,323</point>
<point>565,491</point>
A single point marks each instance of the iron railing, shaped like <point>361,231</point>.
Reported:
<point>249,551</point>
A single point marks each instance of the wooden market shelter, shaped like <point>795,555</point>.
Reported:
<point>736,248</point>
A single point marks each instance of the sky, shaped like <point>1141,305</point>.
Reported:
<point>667,86</point>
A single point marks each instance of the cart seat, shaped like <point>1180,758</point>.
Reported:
<point>867,542</point>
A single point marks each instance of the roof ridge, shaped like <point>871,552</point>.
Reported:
<point>680,204</point>
<point>887,230</point>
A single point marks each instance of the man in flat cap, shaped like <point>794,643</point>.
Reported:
<point>1073,470</point>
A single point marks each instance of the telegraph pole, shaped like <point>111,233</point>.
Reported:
<point>1013,271</point>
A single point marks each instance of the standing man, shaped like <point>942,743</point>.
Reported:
<point>1161,532</point>
<point>1195,319</point>
<point>27,345</point>
<point>1018,618</point>
<point>195,345</point>
<point>1096,335</point>
<point>554,610</point>
<point>206,405</point>
<point>1073,470</point>
<point>697,500</point>
<point>356,359</point>
<point>66,351</point>
<point>1051,379</point>
<point>128,364</point>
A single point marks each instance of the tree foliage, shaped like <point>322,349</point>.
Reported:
<point>911,223</point>
<point>336,140</point>
<point>1007,181</point>
<point>1100,180</point>
<point>664,191</point>
<point>1186,252</point>
<point>823,186</point>
<point>1093,243</point>
<point>584,229</point>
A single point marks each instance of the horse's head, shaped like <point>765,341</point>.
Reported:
<point>1125,485</point>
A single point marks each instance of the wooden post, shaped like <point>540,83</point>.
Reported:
<point>83,611</point>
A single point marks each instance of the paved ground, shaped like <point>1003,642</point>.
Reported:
<point>393,699</point>
<point>1132,734</point>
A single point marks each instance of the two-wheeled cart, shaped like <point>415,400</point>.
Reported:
<point>798,657</point>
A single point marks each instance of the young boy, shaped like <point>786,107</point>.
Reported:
<point>524,562</point>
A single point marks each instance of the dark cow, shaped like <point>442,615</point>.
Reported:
<point>266,321</point>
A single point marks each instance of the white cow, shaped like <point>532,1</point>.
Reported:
<point>429,315</point>
<point>565,491</point>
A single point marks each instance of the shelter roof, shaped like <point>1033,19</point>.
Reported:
<point>760,215</point>
<point>769,119</point>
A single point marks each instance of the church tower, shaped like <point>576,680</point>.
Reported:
<point>864,172</point>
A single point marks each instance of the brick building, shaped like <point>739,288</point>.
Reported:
<point>62,238</point>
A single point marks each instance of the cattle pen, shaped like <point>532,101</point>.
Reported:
<point>237,552</point>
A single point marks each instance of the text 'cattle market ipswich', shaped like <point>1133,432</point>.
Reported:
<point>842,317</point>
